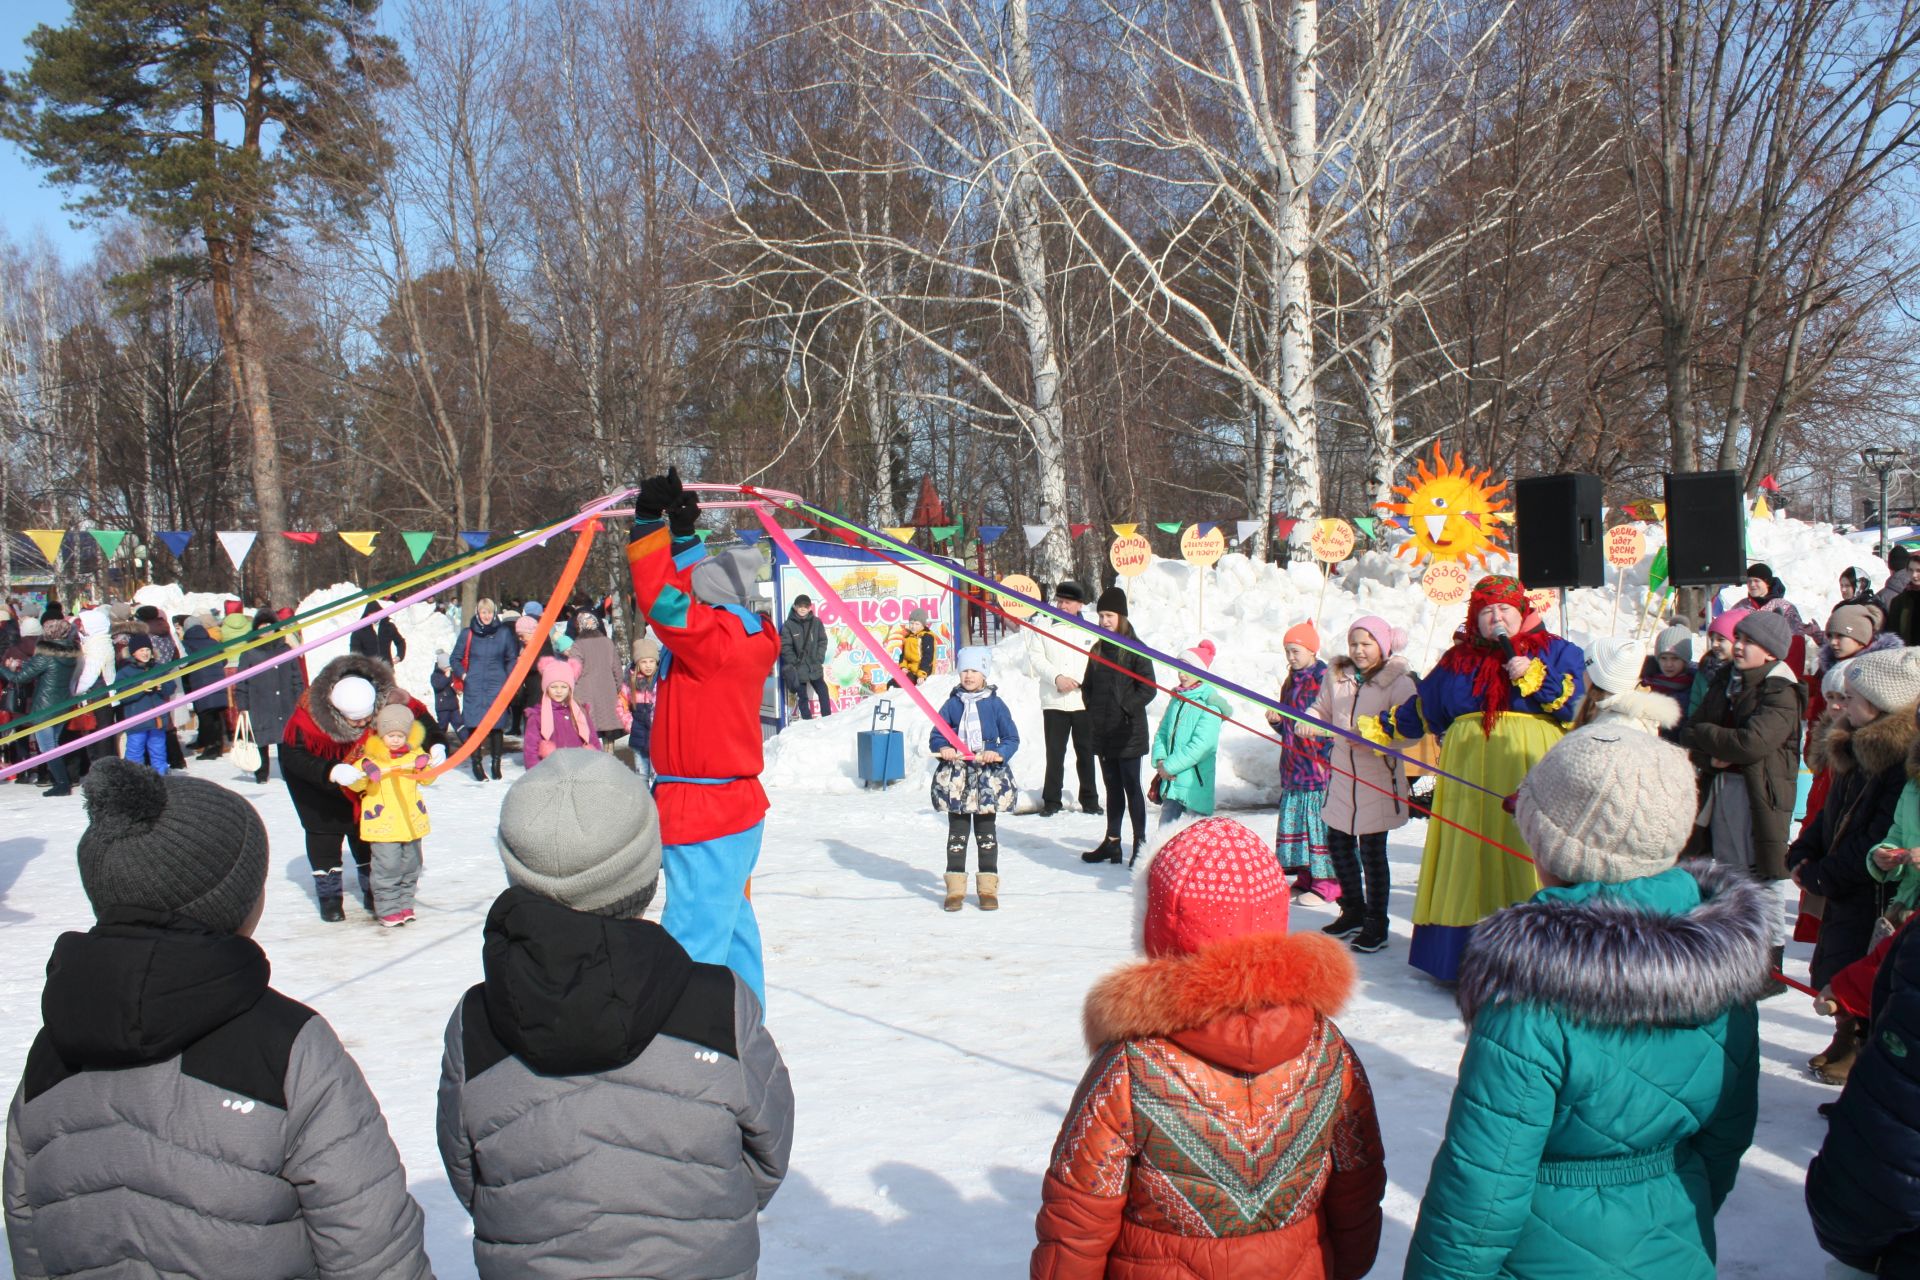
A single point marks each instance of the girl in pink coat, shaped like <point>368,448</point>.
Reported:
<point>559,719</point>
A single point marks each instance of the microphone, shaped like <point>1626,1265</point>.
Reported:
<point>1505,638</point>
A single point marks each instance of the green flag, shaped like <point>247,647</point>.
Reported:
<point>1366,525</point>
<point>109,540</point>
<point>1657,574</point>
<point>1165,526</point>
<point>945,532</point>
<point>417,543</point>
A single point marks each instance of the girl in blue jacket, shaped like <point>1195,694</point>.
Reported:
<point>974,790</point>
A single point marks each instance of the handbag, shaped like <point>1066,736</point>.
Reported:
<point>1153,790</point>
<point>245,752</point>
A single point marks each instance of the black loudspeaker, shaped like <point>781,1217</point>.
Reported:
<point>1557,526</point>
<point>1706,528</point>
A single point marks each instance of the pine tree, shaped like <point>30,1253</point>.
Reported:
<point>213,119</point>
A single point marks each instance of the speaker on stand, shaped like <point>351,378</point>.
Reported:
<point>1558,533</point>
<point>1706,528</point>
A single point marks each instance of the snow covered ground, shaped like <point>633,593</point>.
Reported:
<point>933,1055</point>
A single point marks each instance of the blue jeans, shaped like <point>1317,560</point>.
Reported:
<point>148,747</point>
<point>1171,811</point>
<point>47,739</point>
<point>708,911</point>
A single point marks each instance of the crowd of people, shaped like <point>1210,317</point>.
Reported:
<point>1609,880</point>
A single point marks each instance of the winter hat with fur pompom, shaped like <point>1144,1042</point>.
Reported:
<point>175,845</point>
<point>1889,679</point>
<point>1608,803</point>
<point>1208,881</point>
<point>1199,655</point>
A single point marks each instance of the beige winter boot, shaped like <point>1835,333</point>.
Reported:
<point>987,886</point>
<point>956,890</point>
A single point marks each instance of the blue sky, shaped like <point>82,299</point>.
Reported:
<point>25,202</point>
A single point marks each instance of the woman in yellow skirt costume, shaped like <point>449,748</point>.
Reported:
<point>1496,716</point>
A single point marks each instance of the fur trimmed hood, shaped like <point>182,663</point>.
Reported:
<point>320,705</point>
<point>1243,977</point>
<point>1639,708</point>
<point>1817,754</point>
<point>1610,963</point>
<point>1885,744</point>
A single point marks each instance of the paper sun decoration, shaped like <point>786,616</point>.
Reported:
<point>1449,509</point>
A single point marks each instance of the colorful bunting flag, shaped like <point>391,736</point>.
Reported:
<point>990,533</point>
<point>1760,508</point>
<point>1657,571</point>
<point>238,542</point>
<point>902,533</point>
<point>1770,485</point>
<point>1244,529</point>
<point>304,539</point>
<point>175,540</point>
<point>360,540</point>
<point>48,540</point>
<point>475,538</point>
<point>417,540</point>
<point>849,537</point>
<point>944,532</point>
<point>109,540</point>
<point>1036,533</point>
<point>1208,526</point>
<point>1075,530</point>
<point>1125,530</point>
<point>1167,526</point>
<point>1367,524</point>
<point>1283,527</point>
<point>750,536</point>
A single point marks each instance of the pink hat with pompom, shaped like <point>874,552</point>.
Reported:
<point>559,671</point>
<point>1200,655</point>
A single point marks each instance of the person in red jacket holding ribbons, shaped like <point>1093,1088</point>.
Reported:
<point>717,652</point>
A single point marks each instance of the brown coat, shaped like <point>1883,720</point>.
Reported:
<point>1368,791</point>
<point>1756,733</point>
<point>1224,1127</point>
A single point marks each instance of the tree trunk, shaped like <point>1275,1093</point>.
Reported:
<point>239,335</point>
<point>1299,426</point>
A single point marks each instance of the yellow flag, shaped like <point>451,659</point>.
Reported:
<point>361,541</point>
<point>1659,513</point>
<point>1125,530</point>
<point>48,540</point>
<point>1760,508</point>
<point>902,534</point>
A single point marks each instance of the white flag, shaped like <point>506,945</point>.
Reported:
<point>1036,533</point>
<point>238,543</point>
<point>1244,529</point>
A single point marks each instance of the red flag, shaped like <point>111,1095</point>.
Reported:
<point>1770,485</point>
<point>929,510</point>
<point>1283,527</point>
<point>304,539</point>
<point>1076,530</point>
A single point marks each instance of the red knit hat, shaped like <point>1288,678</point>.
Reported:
<point>1497,589</point>
<point>1212,881</point>
<point>1304,634</point>
<point>232,606</point>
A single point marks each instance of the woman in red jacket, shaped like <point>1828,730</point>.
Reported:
<point>1224,1127</point>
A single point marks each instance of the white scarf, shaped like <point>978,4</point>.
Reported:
<point>970,732</point>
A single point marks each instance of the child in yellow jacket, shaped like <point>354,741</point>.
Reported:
<point>393,818</point>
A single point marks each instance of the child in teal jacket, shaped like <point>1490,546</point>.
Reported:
<point>1611,1078</point>
<point>1189,738</point>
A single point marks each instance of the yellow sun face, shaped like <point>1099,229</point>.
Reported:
<point>1449,509</point>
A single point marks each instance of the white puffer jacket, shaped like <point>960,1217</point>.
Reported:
<point>1050,658</point>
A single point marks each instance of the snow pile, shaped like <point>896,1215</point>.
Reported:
<point>171,600</point>
<point>1245,607</point>
<point>425,630</point>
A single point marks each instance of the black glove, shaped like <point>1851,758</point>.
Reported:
<point>683,515</point>
<point>657,494</point>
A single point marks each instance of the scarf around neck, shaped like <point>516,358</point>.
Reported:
<point>582,727</point>
<point>970,731</point>
<point>1472,655</point>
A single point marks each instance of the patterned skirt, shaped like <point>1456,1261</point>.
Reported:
<point>1302,838</point>
<point>962,787</point>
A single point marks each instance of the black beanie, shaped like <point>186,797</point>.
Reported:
<point>176,844</point>
<point>803,599</point>
<point>1070,590</point>
<point>1112,600</point>
<point>1760,571</point>
<point>1898,557</point>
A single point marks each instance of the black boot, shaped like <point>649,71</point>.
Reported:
<point>479,774</point>
<point>1372,936</point>
<point>1776,957</point>
<point>1135,855</point>
<point>327,885</point>
<point>62,789</point>
<point>496,768</point>
<point>1352,920</point>
<point>1109,851</point>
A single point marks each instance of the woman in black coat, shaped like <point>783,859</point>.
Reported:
<point>382,640</point>
<point>268,698</point>
<point>210,707</point>
<point>1117,720</point>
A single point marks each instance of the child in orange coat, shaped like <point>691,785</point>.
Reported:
<point>1225,1126</point>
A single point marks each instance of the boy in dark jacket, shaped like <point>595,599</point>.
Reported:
<point>803,657</point>
<point>629,1110</point>
<point>178,1116</point>
<point>1745,740</point>
<point>146,730</point>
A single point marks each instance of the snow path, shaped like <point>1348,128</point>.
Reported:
<point>933,1055</point>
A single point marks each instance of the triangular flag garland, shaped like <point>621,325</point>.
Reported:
<point>944,532</point>
<point>175,540</point>
<point>750,536</point>
<point>1367,524</point>
<point>1244,529</point>
<point>475,538</point>
<point>847,536</point>
<point>417,540</point>
<point>109,540</point>
<point>1760,508</point>
<point>48,540</point>
<point>990,533</point>
<point>238,542</point>
<point>1075,530</point>
<point>303,538</point>
<point>1283,526</point>
<point>1167,526</point>
<point>1036,533</point>
<point>1125,530</point>
<point>901,533</point>
<point>360,540</point>
<point>1208,526</point>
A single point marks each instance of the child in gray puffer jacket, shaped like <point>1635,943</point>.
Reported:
<point>178,1116</point>
<point>607,1105</point>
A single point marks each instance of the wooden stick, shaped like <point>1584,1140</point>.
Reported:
<point>1326,576</point>
<point>1613,621</point>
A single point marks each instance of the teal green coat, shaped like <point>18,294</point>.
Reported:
<point>1609,1087</point>
<point>1188,739</point>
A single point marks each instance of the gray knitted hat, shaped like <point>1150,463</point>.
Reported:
<point>1768,630</point>
<point>1889,679</point>
<point>1675,640</point>
<point>580,829</point>
<point>727,577</point>
<point>1608,803</point>
<point>175,844</point>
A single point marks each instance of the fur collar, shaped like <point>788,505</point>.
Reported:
<point>1611,964</point>
<point>1641,708</point>
<point>1818,756</point>
<point>1166,996</point>
<point>1876,748</point>
<point>320,704</point>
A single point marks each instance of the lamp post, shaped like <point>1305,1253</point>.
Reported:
<point>1881,460</point>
